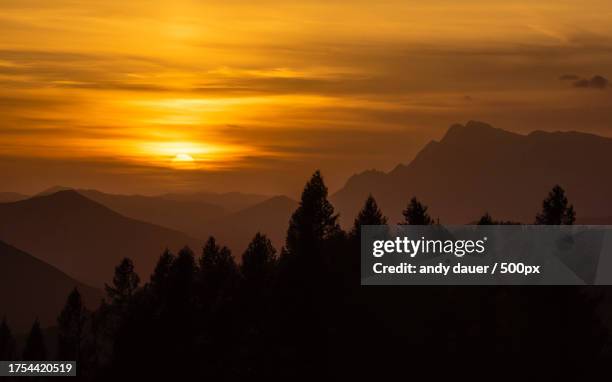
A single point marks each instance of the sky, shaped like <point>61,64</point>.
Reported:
<point>163,96</point>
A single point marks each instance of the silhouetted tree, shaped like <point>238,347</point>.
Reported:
<point>370,214</point>
<point>486,219</point>
<point>125,283</point>
<point>181,281</point>
<point>258,262</point>
<point>217,268</point>
<point>555,209</point>
<point>306,275</point>
<point>161,273</point>
<point>416,214</point>
<point>35,348</point>
<point>8,346</point>
<point>71,325</point>
<point>314,221</point>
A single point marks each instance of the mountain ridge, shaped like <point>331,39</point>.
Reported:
<point>84,238</point>
<point>44,294</point>
<point>476,168</point>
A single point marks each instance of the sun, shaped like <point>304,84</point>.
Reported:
<point>183,157</point>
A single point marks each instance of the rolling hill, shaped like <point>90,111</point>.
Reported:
<point>476,168</point>
<point>30,288</point>
<point>84,238</point>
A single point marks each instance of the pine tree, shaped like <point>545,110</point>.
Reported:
<point>258,261</point>
<point>161,273</point>
<point>8,346</point>
<point>125,283</point>
<point>71,324</point>
<point>35,348</point>
<point>181,279</point>
<point>370,214</point>
<point>217,266</point>
<point>555,209</point>
<point>486,219</point>
<point>314,221</point>
<point>416,214</point>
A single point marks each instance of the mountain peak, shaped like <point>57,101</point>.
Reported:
<point>66,196</point>
<point>476,131</point>
<point>53,190</point>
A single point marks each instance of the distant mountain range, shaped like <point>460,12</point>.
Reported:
<point>476,168</point>
<point>86,232</point>
<point>30,288</point>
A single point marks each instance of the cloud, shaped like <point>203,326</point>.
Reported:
<point>595,82</point>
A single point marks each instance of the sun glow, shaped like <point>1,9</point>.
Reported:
<point>191,155</point>
<point>181,157</point>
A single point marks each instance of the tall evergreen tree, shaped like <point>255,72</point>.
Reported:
<point>314,221</point>
<point>370,214</point>
<point>71,326</point>
<point>555,209</point>
<point>416,214</point>
<point>35,348</point>
<point>125,283</point>
<point>258,261</point>
<point>161,273</point>
<point>181,280</point>
<point>8,346</point>
<point>217,266</point>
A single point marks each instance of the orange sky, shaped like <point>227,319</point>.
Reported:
<point>154,96</point>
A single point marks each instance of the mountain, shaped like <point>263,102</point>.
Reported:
<point>53,190</point>
<point>30,288</point>
<point>187,216</point>
<point>229,201</point>
<point>84,238</point>
<point>476,168</point>
<point>270,217</point>
<point>7,197</point>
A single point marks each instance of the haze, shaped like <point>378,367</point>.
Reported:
<point>158,96</point>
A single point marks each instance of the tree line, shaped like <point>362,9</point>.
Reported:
<point>300,313</point>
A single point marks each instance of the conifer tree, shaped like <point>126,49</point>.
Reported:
<point>35,348</point>
<point>370,214</point>
<point>8,346</point>
<point>217,266</point>
<point>258,261</point>
<point>416,214</point>
<point>71,324</point>
<point>181,279</point>
<point>161,273</point>
<point>555,209</point>
<point>125,283</point>
<point>314,221</point>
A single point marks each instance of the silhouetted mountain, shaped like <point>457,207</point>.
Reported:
<point>53,190</point>
<point>238,229</point>
<point>84,238</point>
<point>229,201</point>
<point>183,215</point>
<point>31,288</point>
<point>476,168</point>
<point>7,197</point>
